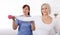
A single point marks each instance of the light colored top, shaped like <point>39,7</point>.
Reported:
<point>43,29</point>
<point>58,24</point>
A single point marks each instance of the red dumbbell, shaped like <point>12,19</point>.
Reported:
<point>10,16</point>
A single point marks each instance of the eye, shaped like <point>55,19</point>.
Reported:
<point>45,8</point>
<point>42,8</point>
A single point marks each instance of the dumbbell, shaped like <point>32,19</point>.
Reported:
<point>11,17</point>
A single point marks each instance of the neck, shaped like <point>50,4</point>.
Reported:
<point>45,16</point>
<point>26,15</point>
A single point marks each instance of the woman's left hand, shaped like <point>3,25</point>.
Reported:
<point>32,25</point>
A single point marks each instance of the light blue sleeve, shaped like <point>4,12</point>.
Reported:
<point>17,21</point>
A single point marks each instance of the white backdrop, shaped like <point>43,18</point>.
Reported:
<point>14,7</point>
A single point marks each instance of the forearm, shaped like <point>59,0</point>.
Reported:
<point>32,25</point>
<point>14,25</point>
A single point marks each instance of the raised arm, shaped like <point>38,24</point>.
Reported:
<point>14,24</point>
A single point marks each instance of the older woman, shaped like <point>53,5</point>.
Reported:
<point>45,24</point>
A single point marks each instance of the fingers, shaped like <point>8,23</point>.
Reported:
<point>13,18</point>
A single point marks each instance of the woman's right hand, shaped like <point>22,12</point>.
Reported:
<point>14,23</point>
<point>13,18</point>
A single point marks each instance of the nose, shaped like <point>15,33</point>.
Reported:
<point>45,10</point>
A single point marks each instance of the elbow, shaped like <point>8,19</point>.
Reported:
<point>14,28</point>
<point>33,29</point>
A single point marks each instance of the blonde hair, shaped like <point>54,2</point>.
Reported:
<point>49,12</point>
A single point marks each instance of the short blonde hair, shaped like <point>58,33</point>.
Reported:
<point>47,6</point>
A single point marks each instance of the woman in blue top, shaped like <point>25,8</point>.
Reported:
<point>25,27</point>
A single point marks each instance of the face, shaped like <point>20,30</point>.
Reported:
<point>44,10</point>
<point>25,10</point>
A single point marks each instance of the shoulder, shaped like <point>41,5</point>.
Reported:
<point>18,17</point>
<point>53,20</point>
<point>51,17</point>
<point>23,18</point>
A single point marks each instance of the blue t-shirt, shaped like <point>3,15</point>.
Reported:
<point>24,25</point>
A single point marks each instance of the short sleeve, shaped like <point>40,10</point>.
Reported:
<point>17,21</point>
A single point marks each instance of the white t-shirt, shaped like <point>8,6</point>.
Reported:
<point>58,24</point>
<point>24,18</point>
<point>43,29</point>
